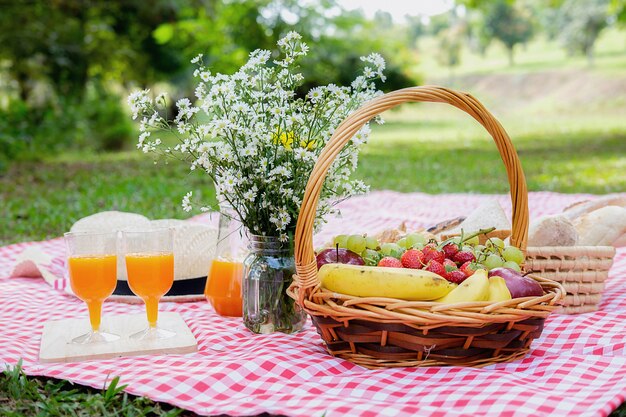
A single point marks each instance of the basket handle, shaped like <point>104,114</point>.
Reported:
<point>306,266</point>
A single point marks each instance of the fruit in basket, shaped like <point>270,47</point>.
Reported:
<point>450,249</point>
<point>512,265</point>
<point>470,267</point>
<point>518,284</point>
<point>367,281</point>
<point>341,240</point>
<point>416,240</point>
<point>356,243</point>
<point>456,276</point>
<point>412,258</point>
<point>371,257</point>
<point>464,256</point>
<point>436,267</point>
<point>371,243</point>
<point>432,254</point>
<point>498,291</point>
<point>391,249</point>
<point>493,261</point>
<point>390,262</point>
<point>338,255</point>
<point>474,288</point>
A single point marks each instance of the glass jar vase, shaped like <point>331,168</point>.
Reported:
<point>268,272</point>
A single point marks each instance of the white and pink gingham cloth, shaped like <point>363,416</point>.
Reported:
<point>576,368</point>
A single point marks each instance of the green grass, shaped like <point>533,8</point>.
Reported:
<point>426,147</point>
<point>538,55</point>
<point>25,396</point>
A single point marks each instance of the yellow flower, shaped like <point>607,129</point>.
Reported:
<point>285,139</point>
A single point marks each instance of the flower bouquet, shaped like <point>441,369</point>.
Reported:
<point>257,136</point>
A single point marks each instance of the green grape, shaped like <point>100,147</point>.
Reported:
<point>402,243</point>
<point>371,257</point>
<point>493,261</point>
<point>513,254</point>
<point>356,243</point>
<point>371,243</point>
<point>341,240</point>
<point>512,265</point>
<point>391,249</point>
<point>479,248</point>
<point>472,241</point>
<point>495,242</point>
<point>415,239</point>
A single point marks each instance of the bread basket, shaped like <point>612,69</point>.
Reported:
<point>383,332</point>
<point>582,270</point>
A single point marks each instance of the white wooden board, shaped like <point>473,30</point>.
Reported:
<point>56,339</point>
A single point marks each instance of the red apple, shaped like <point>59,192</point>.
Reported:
<point>518,285</point>
<point>338,256</point>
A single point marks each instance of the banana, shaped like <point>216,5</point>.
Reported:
<point>371,281</point>
<point>474,288</point>
<point>498,290</point>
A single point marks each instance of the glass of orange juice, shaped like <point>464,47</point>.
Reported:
<point>92,266</point>
<point>149,256</point>
<point>223,285</point>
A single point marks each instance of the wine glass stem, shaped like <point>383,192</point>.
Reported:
<point>152,310</point>
<point>95,313</point>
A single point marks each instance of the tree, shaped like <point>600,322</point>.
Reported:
<point>450,43</point>
<point>508,23</point>
<point>581,22</point>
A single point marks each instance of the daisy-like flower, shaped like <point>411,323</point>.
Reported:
<point>257,139</point>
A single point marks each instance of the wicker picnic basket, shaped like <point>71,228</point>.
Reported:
<point>582,270</point>
<point>383,332</point>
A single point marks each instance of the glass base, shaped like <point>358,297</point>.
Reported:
<point>152,333</point>
<point>95,337</point>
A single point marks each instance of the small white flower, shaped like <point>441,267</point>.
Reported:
<point>186,202</point>
<point>197,59</point>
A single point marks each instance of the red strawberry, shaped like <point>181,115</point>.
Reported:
<point>390,262</point>
<point>450,249</point>
<point>412,259</point>
<point>470,267</point>
<point>436,267</point>
<point>464,256</point>
<point>457,276</point>
<point>449,263</point>
<point>432,254</point>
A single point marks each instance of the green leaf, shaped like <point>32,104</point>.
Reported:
<point>164,33</point>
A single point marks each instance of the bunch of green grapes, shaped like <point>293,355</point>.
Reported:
<point>495,254</point>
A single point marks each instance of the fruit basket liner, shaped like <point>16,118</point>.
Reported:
<point>576,368</point>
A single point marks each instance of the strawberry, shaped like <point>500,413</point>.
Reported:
<point>457,276</point>
<point>412,259</point>
<point>436,267</point>
<point>431,253</point>
<point>463,257</point>
<point>470,267</point>
<point>450,249</point>
<point>449,264</point>
<point>390,262</point>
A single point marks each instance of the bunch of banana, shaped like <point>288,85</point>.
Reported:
<point>411,284</point>
<point>371,281</point>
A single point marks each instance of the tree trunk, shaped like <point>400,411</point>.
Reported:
<point>590,57</point>
<point>511,60</point>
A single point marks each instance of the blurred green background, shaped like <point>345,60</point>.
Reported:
<point>552,71</point>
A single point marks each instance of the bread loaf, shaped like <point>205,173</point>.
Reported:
<point>602,227</point>
<point>552,231</point>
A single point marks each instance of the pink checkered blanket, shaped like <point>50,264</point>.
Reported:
<point>577,367</point>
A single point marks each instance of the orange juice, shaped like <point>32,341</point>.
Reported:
<point>150,276</point>
<point>93,279</point>
<point>223,287</point>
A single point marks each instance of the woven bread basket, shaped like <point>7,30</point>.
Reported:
<point>582,270</point>
<point>382,332</point>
